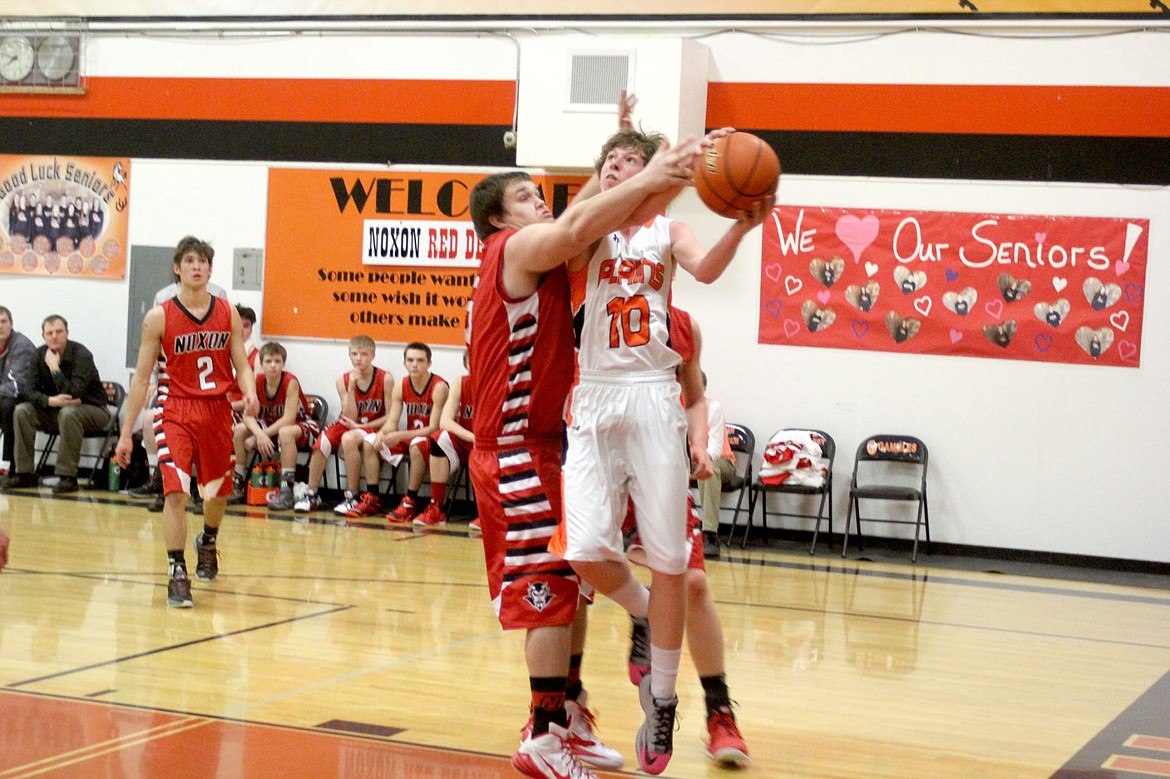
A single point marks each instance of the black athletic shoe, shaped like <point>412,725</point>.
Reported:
<point>157,506</point>
<point>65,484</point>
<point>179,590</point>
<point>710,545</point>
<point>19,481</point>
<point>208,566</point>
<point>152,487</point>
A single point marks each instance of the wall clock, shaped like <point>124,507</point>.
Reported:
<point>16,58</point>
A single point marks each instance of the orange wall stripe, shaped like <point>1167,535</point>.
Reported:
<point>1017,110</point>
<point>278,100</point>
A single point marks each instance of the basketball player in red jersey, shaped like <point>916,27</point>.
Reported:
<point>421,394</point>
<point>704,631</point>
<point>450,447</point>
<point>195,339</point>
<point>520,340</point>
<point>364,393</point>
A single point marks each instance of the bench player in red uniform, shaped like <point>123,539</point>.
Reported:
<point>365,397</point>
<point>421,395</point>
<point>450,447</point>
<point>283,425</point>
<point>195,339</point>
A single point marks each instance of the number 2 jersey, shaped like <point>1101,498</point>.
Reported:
<point>195,358</point>
<point>621,301</point>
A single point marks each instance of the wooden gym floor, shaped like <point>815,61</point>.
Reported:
<point>327,650</point>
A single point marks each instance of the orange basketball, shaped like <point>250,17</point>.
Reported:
<point>735,172</point>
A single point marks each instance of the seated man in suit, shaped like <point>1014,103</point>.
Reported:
<point>66,397</point>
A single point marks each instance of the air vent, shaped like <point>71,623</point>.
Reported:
<point>596,79</point>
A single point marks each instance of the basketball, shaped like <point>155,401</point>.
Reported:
<point>735,172</point>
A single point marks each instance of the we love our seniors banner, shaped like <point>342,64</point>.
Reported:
<point>1043,288</point>
<point>64,216</point>
<point>388,254</point>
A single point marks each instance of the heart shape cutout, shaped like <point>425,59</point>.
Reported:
<point>871,268</point>
<point>856,233</point>
<point>793,285</point>
<point>1120,320</point>
<point>1059,283</point>
<point>1133,291</point>
<point>1043,342</point>
<point>773,271</point>
<point>952,275</point>
<point>823,296</point>
<point>1041,237</point>
<point>772,307</point>
<point>791,327</point>
<point>956,335</point>
<point>1126,350</point>
<point>860,327</point>
<point>922,305</point>
<point>995,308</point>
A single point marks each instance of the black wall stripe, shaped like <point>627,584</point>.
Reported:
<point>418,144</point>
<point>993,157</point>
<point>881,155</point>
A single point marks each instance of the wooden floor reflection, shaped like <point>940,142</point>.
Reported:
<point>360,651</point>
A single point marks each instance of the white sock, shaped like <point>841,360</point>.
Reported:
<point>632,596</point>
<point>663,671</point>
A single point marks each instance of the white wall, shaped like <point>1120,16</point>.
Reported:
<point>1045,457</point>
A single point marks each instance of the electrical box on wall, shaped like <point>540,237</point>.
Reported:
<point>248,270</point>
<point>570,86</point>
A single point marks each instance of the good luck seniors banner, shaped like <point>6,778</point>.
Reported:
<point>64,216</point>
<point>388,254</point>
<point>1042,288</point>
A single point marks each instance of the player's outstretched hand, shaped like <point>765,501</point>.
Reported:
<point>626,105</point>
<point>758,212</point>
<point>671,165</point>
<point>710,138</point>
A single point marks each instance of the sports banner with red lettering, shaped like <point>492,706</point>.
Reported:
<point>64,216</point>
<point>1044,288</point>
<point>391,254</point>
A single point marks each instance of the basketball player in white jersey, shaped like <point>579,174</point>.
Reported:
<point>628,434</point>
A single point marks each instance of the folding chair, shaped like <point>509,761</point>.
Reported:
<point>889,467</point>
<point>743,442</point>
<point>115,397</point>
<point>804,488</point>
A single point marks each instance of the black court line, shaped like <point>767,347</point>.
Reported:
<point>172,647</point>
<point>934,623</point>
<point>937,579</point>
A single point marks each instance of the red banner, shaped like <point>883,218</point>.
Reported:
<point>64,216</point>
<point>1043,288</point>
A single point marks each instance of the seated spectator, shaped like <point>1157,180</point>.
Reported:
<point>17,355</point>
<point>67,397</point>
<point>711,488</point>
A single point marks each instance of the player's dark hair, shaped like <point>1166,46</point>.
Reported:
<point>192,244</point>
<point>487,200</point>
<point>420,346</point>
<point>246,313</point>
<point>55,318</point>
<point>645,144</point>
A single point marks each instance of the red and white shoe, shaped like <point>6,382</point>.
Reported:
<point>549,756</point>
<point>367,505</point>
<point>725,745</point>
<point>431,516</point>
<point>475,528</point>
<point>404,513</point>
<point>584,742</point>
